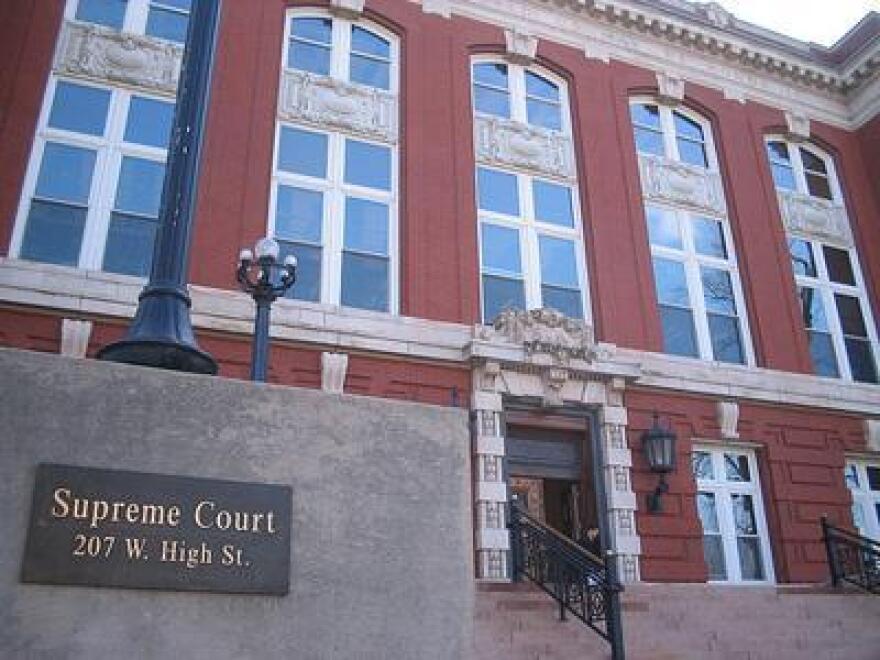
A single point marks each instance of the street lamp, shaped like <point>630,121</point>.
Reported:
<point>260,278</point>
<point>659,446</point>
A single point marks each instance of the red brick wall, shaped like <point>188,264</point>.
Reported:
<point>800,458</point>
<point>32,331</point>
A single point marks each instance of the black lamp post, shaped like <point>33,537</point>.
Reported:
<point>659,446</point>
<point>161,334</point>
<point>265,279</point>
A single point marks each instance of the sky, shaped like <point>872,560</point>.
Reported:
<point>820,21</point>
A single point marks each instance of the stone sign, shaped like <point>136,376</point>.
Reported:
<point>112,528</point>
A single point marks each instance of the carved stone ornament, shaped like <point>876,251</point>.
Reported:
<point>668,180</point>
<point>798,126</point>
<point>325,101</point>
<point>347,8</point>
<point>96,52</point>
<point>717,15</point>
<point>547,333</point>
<point>670,89</point>
<point>521,46</point>
<point>728,418</point>
<point>552,381</point>
<point>333,369</point>
<point>816,218</point>
<point>75,337</point>
<point>510,143</point>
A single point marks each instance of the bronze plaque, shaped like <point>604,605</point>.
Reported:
<point>113,528</point>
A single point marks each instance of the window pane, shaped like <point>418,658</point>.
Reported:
<point>670,282</point>
<point>692,152</point>
<point>701,465</point>
<point>367,165</point>
<point>104,12</point>
<point>552,203</point>
<point>558,263</point>
<point>812,162</point>
<point>500,294</point>
<point>313,29</point>
<point>713,553</point>
<point>364,282</point>
<point>298,214</point>
<point>80,109</point>
<point>500,249</point>
<point>130,242</point>
<point>53,233</point>
<point>303,152</point>
<point>539,86</point>
<point>726,341</point>
<point>167,24</point>
<point>140,186</point>
<point>822,353</point>
<point>65,173</point>
<point>743,513</point>
<point>818,185</point>
<point>717,291</point>
<point>736,467</point>
<point>491,74</point>
<point>366,226</point>
<point>367,71</point>
<point>149,122</point>
<point>801,257</point>
<point>851,320</point>
<point>783,177</point>
<point>308,270</point>
<point>750,564</point>
<point>309,57</point>
<point>861,362</point>
<point>707,512</point>
<point>497,191</point>
<point>663,228</point>
<point>812,309</point>
<point>839,266</point>
<point>778,152</point>
<point>645,114</point>
<point>709,238</point>
<point>364,41</point>
<point>678,331</point>
<point>544,114</point>
<point>491,101</point>
<point>686,127</point>
<point>567,301</point>
<point>851,474</point>
<point>648,142</point>
<point>873,477</point>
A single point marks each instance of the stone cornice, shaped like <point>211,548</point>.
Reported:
<point>703,44</point>
<point>82,294</point>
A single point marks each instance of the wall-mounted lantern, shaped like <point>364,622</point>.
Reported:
<point>659,446</point>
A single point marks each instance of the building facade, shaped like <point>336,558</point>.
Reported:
<point>568,217</point>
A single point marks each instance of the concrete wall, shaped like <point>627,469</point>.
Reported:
<point>381,542</point>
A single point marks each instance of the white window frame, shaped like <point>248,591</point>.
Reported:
<point>667,126</point>
<point>333,188</point>
<point>516,76</point>
<point>529,230</point>
<point>692,260</point>
<point>723,490</point>
<point>109,148</point>
<point>865,498</point>
<point>822,282</point>
<point>134,21</point>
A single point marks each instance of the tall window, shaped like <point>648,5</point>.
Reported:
<point>166,19</point>
<point>334,193</point>
<point>831,292</point>
<point>531,250</point>
<point>863,481</point>
<point>696,279</point>
<point>735,541</point>
<point>95,178</point>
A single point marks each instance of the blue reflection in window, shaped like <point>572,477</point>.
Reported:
<point>303,152</point>
<point>366,226</point>
<point>500,249</point>
<point>168,19</point>
<point>717,291</point>
<point>367,165</point>
<point>679,337</point>
<point>501,293</point>
<point>364,282</point>
<point>103,12</point>
<point>65,173</point>
<point>53,233</point>
<point>79,108</point>
<point>310,46</point>
<point>671,284</point>
<point>130,243</point>
<point>149,122</point>
<point>298,214</point>
<point>663,228</point>
<point>497,191</point>
<point>553,203</point>
<point>558,262</point>
<point>140,186</point>
<point>709,238</point>
<point>308,270</point>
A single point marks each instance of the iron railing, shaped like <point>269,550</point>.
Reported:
<point>852,558</point>
<point>579,581</point>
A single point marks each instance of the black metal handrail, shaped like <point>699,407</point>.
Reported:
<point>852,558</point>
<point>582,583</point>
